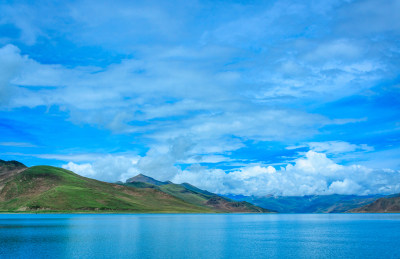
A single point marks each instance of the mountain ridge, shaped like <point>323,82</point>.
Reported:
<point>334,203</point>
<point>8,169</point>
<point>53,189</point>
<point>141,178</point>
<point>46,189</point>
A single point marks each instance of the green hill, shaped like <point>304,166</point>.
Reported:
<point>194,195</point>
<point>46,188</point>
<point>52,189</point>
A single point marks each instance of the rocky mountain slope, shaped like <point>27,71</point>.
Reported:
<point>387,204</point>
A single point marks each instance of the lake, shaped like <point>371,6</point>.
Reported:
<point>200,236</point>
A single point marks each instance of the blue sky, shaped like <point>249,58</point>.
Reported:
<point>242,97</point>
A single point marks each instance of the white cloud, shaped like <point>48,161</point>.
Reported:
<point>339,49</point>
<point>84,157</point>
<point>108,168</point>
<point>252,74</point>
<point>196,88</point>
<point>24,18</point>
<point>10,64</point>
<point>345,187</point>
<point>126,101</point>
<point>205,159</point>
<point>338,147</point>
<point>370,17</point>
<point>81,169</point>
<point>312,174</point>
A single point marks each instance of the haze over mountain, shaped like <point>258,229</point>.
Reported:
<point>334,203</point>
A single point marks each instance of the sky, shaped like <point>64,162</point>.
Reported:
<point>236,97</point>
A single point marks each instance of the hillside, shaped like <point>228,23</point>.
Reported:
<point>310,203</point>
<point>52,189</point>
<point>194,195</point>
<point>387,204</point>
<point>46,188</point>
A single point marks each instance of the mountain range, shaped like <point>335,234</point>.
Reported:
<point>335,203</point>
<point>52,189</point>
<point>48,189</point>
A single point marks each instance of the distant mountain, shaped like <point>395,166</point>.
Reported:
<point>310,203</point>
<point>385,204</point>
<point>194,195</point>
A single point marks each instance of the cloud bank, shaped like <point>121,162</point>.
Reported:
<point>312,174</point>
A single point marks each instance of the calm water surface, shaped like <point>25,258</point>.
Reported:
<point>200,236</point>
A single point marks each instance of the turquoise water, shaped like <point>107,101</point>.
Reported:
<point>200,236</point>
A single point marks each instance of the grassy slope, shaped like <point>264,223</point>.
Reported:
<point>175,190</point>
<point>55,189</point>
<point>184,194</point>
<point>193,195</point>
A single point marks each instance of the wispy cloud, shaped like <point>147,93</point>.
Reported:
<point>241,84</point>
<point>333,147</point>
<point>17,144</point>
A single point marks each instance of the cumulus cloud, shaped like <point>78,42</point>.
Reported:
<point>81,169</point>
<point>312,174</point>
<point>108,168</point>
